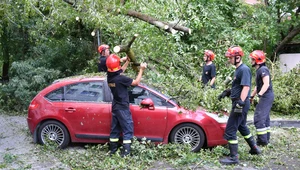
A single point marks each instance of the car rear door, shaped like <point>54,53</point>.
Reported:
<point>65,107</point>
<point>85,109</point>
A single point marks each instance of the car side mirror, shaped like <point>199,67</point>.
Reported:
<point>147,103</point>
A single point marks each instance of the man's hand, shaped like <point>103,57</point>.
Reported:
<point>240,104</point>
<point>143,66</point>
<point>123,59</point>
<point>239,107</point>
<point>225,93</point>
<point>251,99</point>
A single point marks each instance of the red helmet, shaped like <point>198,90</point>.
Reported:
<point>258,56</point>
<point>102,47</point>
<point>209,54</point>
<point>113,63</point>
<point>234,51</point>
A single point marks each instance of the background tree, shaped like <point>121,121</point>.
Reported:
<point>56,36</point>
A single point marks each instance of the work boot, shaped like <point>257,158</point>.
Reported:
<point>254,148</point>
<point>233,157</point>
<point>268,137</point>
<point>126,149</point>
<point>262,140</point>
<point>113,147</point>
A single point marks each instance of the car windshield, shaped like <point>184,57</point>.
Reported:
<point>165,95</point>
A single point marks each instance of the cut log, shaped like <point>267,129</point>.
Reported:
<point>129,52</point>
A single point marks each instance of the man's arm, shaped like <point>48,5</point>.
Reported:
<point>212,81</point>
<point>244,93</point>
<point>135,82</point>
<point>254,91</point>
<point>125,65</point>
<point>264,88</point>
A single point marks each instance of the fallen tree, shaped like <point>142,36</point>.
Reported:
<point>129,52</point>
<point>166,26</point>
<point>169,27</point>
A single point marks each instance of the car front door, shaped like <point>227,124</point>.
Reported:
<point>147,123</point>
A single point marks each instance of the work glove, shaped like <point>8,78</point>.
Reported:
<point>225,93</point>
<point>239,106</point>
<point>251,98</point>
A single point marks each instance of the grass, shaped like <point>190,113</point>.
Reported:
<point>282,153</point>
<point>148,156</point>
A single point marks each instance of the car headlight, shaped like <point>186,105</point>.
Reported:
<point>220,118</point>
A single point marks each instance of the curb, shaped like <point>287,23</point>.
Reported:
<point>281,123</point>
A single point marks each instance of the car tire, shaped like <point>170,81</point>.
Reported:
<point>188,134</point>
<point>54,131</point>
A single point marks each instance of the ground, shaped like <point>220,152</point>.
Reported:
<point>17,151</point>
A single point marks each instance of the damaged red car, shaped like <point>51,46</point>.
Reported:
<point>78,110</point>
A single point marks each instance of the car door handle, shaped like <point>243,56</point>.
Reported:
<point>70,109</point>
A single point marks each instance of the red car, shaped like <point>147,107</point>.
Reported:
<point>79,110</point>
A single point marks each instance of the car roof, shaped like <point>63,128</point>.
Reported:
<point>85,77</point>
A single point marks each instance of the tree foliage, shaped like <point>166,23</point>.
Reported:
<point>57,35</point>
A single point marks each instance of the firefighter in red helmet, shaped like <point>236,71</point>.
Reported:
<point>264,90</point>
<point>104,53</point>
<point>239,94</point>
<point>209,69</point>
<point>121,115</point>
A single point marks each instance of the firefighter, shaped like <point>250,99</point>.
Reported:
<point>239,94</point>
<point>104,53</point>
<point>264,91</point>
<point>121,115</point>
<point>209,69</point>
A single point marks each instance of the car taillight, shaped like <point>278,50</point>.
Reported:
<point>33,105</point>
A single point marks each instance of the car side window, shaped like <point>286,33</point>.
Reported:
<point>56,95</point>
<point>85,92</point>
<point>158,101</point>
<point>137,94</point>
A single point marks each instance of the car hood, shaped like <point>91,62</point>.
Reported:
<point>200,113</point>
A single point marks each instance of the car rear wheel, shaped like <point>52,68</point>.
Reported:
<point>53,131</point>
<point>188,134</point>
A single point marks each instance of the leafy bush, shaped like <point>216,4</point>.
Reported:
<point>27,80</point>
<point>286,88</point>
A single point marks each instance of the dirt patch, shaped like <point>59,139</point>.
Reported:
<point>17,151</point>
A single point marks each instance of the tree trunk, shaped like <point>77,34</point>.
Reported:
<point>287,39</point>
<point>172,28</point>
<point>5,49</point>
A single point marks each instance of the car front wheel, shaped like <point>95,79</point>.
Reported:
<point>53,131</point>
<point>188,134</point>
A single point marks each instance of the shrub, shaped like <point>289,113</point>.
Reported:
<point>26,81</point>
<point>286,88</point>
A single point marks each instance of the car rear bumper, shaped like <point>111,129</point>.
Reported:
<point>30,125</point>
